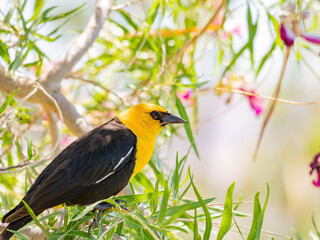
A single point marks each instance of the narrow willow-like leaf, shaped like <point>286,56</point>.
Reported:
<point>207,231</point>
<point>19,235</point>
<point>191,205</point>
<point>227,213</point>
<point>184,115</point>
<point>164,203</point>
<point>34,217</point>
<point>195,226</point>
<point>128,19</point>
<point>315,226</point>
<point>144,181</point>
<point>153,11</point>
<point>256,214</point>
<point>265,58</point>
<point>175,179</point>
<point>84,212</point>
<point>250,32</point>
<point>8,101</point>
<point>178,214</point>
<point>4,52</point>
<point>261,216</point>
<point>38,4</point>
<point>234,59</point>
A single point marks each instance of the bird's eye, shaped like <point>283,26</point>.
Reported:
<point>155,115</point>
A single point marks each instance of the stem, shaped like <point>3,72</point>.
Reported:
<point>272,105</point>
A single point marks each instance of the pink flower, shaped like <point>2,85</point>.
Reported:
<point>311,37</point>
<point>186,97</point>
<point>291,27</point>
<point>256,103</point>
<point>236,31</point>
<point>287,35</point>
<point>315,165</point>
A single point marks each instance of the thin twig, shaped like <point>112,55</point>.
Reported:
<point>280,100</point>
<point>123,5</point>
<point>199,33</point>
<point>22,166</point>
<point>97,84</point>
<point>272,105</point>
<point>238,202</point>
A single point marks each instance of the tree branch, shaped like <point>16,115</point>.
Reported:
<point>82,44</point>
<point>74,121</point>
<point>51,81</point>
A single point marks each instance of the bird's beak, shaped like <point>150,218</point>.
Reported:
<point>170,118</point>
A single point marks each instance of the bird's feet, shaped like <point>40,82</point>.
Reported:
<point>106,207</point>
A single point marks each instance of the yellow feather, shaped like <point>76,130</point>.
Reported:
<point>140,122</point>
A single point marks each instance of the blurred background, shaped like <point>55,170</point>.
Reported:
<point>225,126</point>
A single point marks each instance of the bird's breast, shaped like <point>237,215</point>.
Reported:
<point>144,152</point>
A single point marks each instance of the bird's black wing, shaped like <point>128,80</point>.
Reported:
<point>83,164</point>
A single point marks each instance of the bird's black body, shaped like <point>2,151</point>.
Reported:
<point>96,166</point>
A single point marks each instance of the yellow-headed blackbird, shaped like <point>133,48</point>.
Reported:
<point>96,166</point>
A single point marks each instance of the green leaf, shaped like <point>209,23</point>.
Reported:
<point>38,4</point>
<point>128,19</point>
<point>276,26</point>
<point>84,212</point>
<point>207,231</point>
<point>178,214</point>
<point>164,203</point>
<point>63,15</point>
<point>260,219</point>
<point>315,226</point>
<point>144,181</point>
<point>29,145</point>
<point>152,13</point>
<point>251,33</point>
<point>8,101</point>
<point>19,235</point>
<point>195,226</point>
<point>265,58</point>
<point>184,115</point>
<point>256,213</point>
<point>234,59</point>
<point>4,53</point>
<point>34,217</point>
<point>227,213</point>
<point>17,62</point>
<point>175,179</point>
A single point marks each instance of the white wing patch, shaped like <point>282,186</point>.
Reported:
<point>104,177</point>
<point>114,169</point>
<point>123,158</point>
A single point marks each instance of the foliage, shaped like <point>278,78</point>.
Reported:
<point>137,59</point>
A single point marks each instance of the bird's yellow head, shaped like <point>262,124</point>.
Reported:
<point>146,120</point>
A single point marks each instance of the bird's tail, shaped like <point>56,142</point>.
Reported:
<point>16,225</point>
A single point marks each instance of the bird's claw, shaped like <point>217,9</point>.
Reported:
<point>106,207</point>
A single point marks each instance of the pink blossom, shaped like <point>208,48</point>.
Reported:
<point>236,31</point>
<point>256,103</point>
<point>315,165</point>
<point>311,38</point>
<point>287,35</point>
<point>186,97</point>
